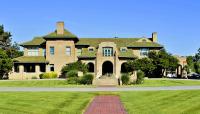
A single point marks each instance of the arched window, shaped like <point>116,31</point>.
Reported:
<point>90,67</point>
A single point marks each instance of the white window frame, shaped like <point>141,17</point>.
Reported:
<point>68,50</point>
<point>107,51</point>
<point>144,52</point>
<point>33,51</point>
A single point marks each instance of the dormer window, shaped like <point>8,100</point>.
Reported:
<point>107,51</point>
<point>33,51</point>
<point>91,49</point>
<point>123,49</point>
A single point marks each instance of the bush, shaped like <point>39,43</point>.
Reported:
<point>125,79</point>
<point>72,73</point>
<point>48,75</point>
<point>140,77</point>
<point>79,66</point>
<point>73,80</point>
<point>34,77</point>
<point>87,79</point>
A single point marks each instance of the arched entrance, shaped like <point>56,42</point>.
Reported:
<point>107,68</point>
<point>124,67</point>
<point>90,67</point>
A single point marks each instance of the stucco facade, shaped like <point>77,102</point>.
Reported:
<point>59,48</point>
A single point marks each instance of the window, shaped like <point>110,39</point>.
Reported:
<point>91,49</point>
<point>123,49</point>
<point>51,67</point>
<point>44,52</point>
<point>51,50</point>
<point>79,52</point>
<point>68,51</point>
<point>34,51</point>
<point>107,51</point>
<point>144,52</point>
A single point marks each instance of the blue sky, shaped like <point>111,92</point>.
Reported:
<point>176,21</point>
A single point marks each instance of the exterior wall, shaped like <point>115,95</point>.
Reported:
<point>60,59</point>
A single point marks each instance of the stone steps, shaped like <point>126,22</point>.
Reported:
<point>105,82</point>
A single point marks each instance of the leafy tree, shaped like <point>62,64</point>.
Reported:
<point>14,51</point>
<point>5,64</point>
<point>197,56</point>
<point>5,39</point>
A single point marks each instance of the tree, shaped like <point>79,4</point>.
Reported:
<point>197,56</point>
<point>14,51</point>
<point>5,39</point>
<point>5,64</point>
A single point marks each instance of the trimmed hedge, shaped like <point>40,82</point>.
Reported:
<point>72,73</point>
<point>48,75</point>
<point>125,79</point>
<point>87,79</point>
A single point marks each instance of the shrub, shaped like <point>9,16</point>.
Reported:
<point>48,75</point>
<point>140,77</point>
<point>125,79</point>
<point>72,73</point>
<point>73,80</point>
<point>87,79</point>
<point>79,66</point>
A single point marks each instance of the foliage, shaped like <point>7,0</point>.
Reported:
<point>79,66</point>
<point>73,80</point>
<point>14,51</point>
<point>48,75</point>
<point>140,77</point>
<point>86,79</point>
<point>197,67</point>
<point>72,73</point>
<point>156,64</point>
<point>5,64</point>
<point>5,39</point>
<point>125,79</point>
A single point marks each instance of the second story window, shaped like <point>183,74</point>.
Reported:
<point>52,50</point>
<point>107,51</point>
<point>144,52</point>
<point>68,51</point>
<point>33,51</point>
<point>44,52</point>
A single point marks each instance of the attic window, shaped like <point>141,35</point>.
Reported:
<point>91,49</point>
<point>123,49</point>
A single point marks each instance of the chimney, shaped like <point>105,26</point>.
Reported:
<point>60,27</point>
<point>154,37</point>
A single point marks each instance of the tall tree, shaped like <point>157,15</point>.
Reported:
<point>5,39</point>
<point>5,64</point>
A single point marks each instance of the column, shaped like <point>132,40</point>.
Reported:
<point>37,68</point>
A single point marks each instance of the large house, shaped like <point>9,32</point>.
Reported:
<point>59,48</point>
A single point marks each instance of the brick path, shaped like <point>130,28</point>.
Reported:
<point>106,104</point>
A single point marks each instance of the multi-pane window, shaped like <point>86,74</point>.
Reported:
<point>144,52</point>
<point>68,51</point>
<point>34,51</point>
<point>44,52</point>
<point>107,51</point>
<point>79,51</point>
<point>51,50</point>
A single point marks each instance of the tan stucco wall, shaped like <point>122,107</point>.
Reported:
<point>60,59</point>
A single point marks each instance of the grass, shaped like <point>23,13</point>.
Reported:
<point>169,82</point>
<point>38,83</point>
<point>162,102</point>
<point>62,83</point>
<point>137,102</point>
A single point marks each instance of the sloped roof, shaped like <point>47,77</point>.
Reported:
<point>30,59</point>
<point>87,54</point>
<point>66,34</point>
<point>121,42</point>
<point>34,42</point>
<point>127,54</point>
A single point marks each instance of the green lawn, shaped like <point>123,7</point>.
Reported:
<point>137,102</point>
<point>62,83</point>
<point>169,82</point>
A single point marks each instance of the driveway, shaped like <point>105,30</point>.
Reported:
<point>37,89</point>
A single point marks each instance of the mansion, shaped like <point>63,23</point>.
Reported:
<point>102,55</point>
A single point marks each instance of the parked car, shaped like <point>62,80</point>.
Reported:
<point>171,75</point>
<point>193,76</point>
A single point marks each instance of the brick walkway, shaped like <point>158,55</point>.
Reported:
<point>106,104</point>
